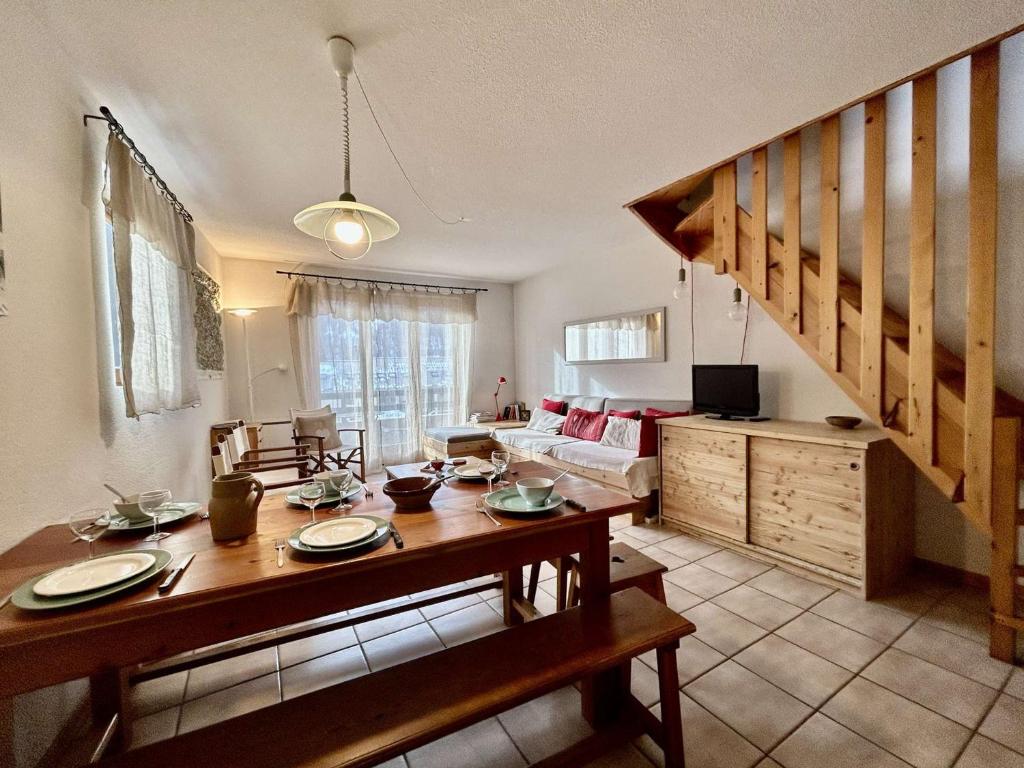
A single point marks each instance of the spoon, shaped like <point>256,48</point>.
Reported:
<point>116,492</point>
<point>566,472</point>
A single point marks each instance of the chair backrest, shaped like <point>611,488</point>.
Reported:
<point>221,461</point>
<point>237,443</point>
<point>331,438</point>
<point>295,413</point>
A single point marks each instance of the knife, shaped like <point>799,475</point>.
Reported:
<point>174,575</point>
<point>399,543</point>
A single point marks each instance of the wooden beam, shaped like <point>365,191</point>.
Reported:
<point>725,218</point>
<point>979,358</point>
<point>828,290</point>
<point>921,379</point>
<point>872,292</point>
<point>759,203</point>
<point>1006,439</point>
<point>791,231</point>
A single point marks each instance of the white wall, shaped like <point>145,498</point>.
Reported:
<point>254,284</point>
<point>62,423</point>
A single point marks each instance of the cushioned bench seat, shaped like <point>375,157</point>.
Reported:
<point>456,442</point>
<point>533,440</point>
<point>641,473</point>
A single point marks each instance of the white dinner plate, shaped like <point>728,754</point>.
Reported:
<point>467,471</point>
<point>96,573</point>
<point>334,533</point>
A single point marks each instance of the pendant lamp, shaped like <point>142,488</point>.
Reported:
<point>347,227</point>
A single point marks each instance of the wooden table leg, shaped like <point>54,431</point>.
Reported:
<point>7,731</point>
<point>671,715</point>
<point>108,695</point>
<point>603,694</point>
<point>512,591</point>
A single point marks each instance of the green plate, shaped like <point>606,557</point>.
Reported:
<point>174,513</point>
<point>380,532</point>
<point>332,499</point>
<point>508,500</point>
<point>24,597</point>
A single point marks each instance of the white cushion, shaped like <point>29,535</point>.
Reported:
<point>641,474</point>
<point>530,439</point>
<point>546,421</point>
<point>622,433</point>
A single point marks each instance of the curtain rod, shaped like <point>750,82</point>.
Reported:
<point>383,282</point>
<point>118,130</point>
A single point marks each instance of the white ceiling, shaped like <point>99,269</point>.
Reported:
<point>536,120</point>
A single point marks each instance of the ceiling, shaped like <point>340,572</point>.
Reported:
<point>534,120</point>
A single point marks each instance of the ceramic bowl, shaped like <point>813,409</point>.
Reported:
<point>411,492</point>
<point>843,422</point>
<point>535,490</point>
<point>344,474</point>
<point>129,508</point>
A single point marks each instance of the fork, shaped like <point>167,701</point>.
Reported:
<point>481,507</point>
<point>279,546</point>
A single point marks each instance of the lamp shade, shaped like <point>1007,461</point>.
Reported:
<point>338,224</point>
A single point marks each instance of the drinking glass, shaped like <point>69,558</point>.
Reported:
<point>151,503</point>
<point>86,526</point>
<point>340,479</point>
<point>500,460</point>
<point>312,493</point>
<point>487,470</point>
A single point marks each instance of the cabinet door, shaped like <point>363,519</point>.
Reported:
<point>806,501</point>
<point>704,480</point>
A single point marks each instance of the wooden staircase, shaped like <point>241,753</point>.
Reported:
<point>944,413</point>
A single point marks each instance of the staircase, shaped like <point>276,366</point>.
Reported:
<point>944,413</point>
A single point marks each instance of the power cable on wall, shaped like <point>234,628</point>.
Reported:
<point>746,326</point>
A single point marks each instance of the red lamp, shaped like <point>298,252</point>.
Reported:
<point>497,411</point>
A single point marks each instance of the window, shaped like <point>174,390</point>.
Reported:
<point>115,321</point>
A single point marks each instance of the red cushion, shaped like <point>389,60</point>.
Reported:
<point>555,406</point>
<point>625,414</point>
<point>649,430</point>
<point>586,425</point>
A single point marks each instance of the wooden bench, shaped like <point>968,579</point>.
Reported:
<point>384,714</point>
<point>628,568</point>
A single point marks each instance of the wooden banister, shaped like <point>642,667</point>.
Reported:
<point>759,206</point>
<point>828,287</point>
<point>872,290</point>
<point>791,231</point>
<point>1005,570</point>
<point>725,219</point>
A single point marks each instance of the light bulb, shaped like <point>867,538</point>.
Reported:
<point>680,290</point>
<point>348,230</point>
<point>737,311</point>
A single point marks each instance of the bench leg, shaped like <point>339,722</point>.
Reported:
<point>603,695</point>
<point>108,694</point>
<point>512,591</point>
<point>531,588</point>
<point>561,584</point>
<point>671,715</point>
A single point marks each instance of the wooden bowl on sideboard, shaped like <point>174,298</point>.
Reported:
<point>843,422</point>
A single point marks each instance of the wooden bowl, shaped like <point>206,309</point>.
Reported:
<point>411,492</point>
<point>843,422</point>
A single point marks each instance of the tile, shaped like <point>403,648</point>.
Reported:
<point>733,565</point>
<point>757,607</point>
<point>626,756</point>
<point>911,603</point>
<point>756,709</point>
<point>707,741</point>
<point>969,598</point>
<point>308,648</point>
<point>959,620</point>
<point>464,749</point>
<point>800,673</point>
<point>547,571</point>
<point>791,588</point>
<point>768,763</point>
<point>622,537</point>
<point>650,533</point>
<point>155,727</point>
<point>546,725</point>
<point>700,581</point>
<point>985,753</point>
<point>663,556</point>
<point>448,606</point>
<point>679,599</point>
<point>388,624</point>
<point>230,702</point>
<point>468,624</point>
<point>400,646</point>
<point>644,683</point>
<point>831,641</point>
<point>940,690</point>
<point>688,548</point>
<point>908,730</point>
<point>693,658</point>
<point>223,674</point>
<point>1015,686</point>
<point>398,762</point>
<point>822,742</point>
<point>158,693</point>
<point>871,619</point>
<point>1005,723</point>
<point>724,631</point>
<point>620,521</point>
<point>322,671</point>
<point>955,653</point>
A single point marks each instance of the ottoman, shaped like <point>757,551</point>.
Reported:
<point>457,442</point>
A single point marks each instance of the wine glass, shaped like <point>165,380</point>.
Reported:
<point>487,470</point>
<point>500,460</point>
<point>312,493</point>
<point>150,504</point>
<point>86,526</point>
<point>340,480</point>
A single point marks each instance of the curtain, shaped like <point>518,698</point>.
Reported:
<point>154,258</point>
<point>393,362</point>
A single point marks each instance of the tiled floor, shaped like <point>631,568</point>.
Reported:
<point>781,672</point>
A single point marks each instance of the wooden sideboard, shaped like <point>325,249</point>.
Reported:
<point>834,503</point>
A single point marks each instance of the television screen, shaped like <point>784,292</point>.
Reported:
<point>729,390</point>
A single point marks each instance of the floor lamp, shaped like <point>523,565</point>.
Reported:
<point>244,314</point>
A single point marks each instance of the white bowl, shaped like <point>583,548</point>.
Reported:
<point>535,490</point>
<point>130,508</point>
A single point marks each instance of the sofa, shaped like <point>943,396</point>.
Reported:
<point>616,468</point>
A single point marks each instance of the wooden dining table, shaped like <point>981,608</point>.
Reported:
<point>237,589</point>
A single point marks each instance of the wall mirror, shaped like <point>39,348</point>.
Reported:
<point>629,337</point>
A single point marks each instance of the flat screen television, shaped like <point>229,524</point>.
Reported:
<point>726,390</point>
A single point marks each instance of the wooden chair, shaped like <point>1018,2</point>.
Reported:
<point>628,568</point>
<point>326,453</point>
<point>232,453</point>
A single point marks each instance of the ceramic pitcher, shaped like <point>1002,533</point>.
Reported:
<point>235,498</point>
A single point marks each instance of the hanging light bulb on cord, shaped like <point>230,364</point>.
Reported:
<point>680,289</point>
<point>737,310</point>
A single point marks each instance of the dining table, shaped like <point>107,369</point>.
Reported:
<point>240,588</point>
